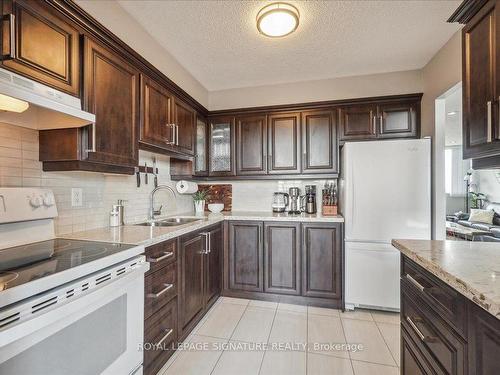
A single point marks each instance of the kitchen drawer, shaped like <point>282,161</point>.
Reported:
<point>412,360</point>
<point>160,335</point>
<point>442,347</point>
<point>159,288</point>
<point>161,254</point>
<point>447,302</point>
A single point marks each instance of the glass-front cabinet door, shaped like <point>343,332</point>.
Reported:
<point>221,161</point>
<point>201,153</point>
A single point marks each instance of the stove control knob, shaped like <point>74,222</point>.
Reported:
<point>48,200</point>
<point>36,201</point>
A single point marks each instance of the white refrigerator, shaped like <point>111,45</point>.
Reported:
<point>385,192</point>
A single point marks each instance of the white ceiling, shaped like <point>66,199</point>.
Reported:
<point>218,42</point>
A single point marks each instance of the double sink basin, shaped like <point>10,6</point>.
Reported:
<point>169,222</point>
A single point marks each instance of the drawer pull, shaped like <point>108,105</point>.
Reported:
<point>169,332</point>
<point>415,282</point>
<point>165,255</point>
<point>156,295</point>
<point>418,331</point>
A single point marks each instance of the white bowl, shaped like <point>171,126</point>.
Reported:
<point>215,207</point>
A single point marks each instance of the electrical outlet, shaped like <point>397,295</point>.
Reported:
<point>76,197</point>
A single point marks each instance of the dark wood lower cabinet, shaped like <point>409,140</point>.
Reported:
<point>184,280</point>
<point>213,269</point>
<point>433,341</point>
<point>282,258</point>
<point>191,284</point>
<point>245,257</point>
<point>160,334</point>
<point>484,342</point>
<point>322,260</point>
<point>298,262</point>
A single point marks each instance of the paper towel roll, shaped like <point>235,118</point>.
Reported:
<point>186,187</point>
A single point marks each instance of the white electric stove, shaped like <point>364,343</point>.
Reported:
<point>66,306</point>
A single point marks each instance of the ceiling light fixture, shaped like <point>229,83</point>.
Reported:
<point>277,20</point>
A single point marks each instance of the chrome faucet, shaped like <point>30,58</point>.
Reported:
<point>152,211</point>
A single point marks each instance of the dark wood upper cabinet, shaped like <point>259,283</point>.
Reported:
<point>46,45</point>
<point>282,258</point>
<point>246,266</point>
<point>319,142</point>
<point>251,145</point>
<point>284,143</point>
<point>111,92</point>
<point>201,147</point>
<point>358,122</point>
<point>184,122</point>
<point>191,280</point>
<point>322,260</point>
<point>222,147</point>
<point>156,114</point>
<point>397,120</point>
<point>480,70</point>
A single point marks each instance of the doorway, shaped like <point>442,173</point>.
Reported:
<point>450,170</point>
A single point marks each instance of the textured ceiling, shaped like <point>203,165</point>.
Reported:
<point>218,43</point>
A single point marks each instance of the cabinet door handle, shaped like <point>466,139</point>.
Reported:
<point>489,122</point>
<point>158,294</point>
<point>169,332</point>
<point>415,328</point>
<point>172,142</point>
<point>419,333</point>
<point>93,138</point>
<point>10,18</point>
<point>165,255</point>
<point>207,244</point>
<point>415,282</point>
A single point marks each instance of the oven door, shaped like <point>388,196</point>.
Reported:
<point>98,332</point>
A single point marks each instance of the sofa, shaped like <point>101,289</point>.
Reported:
<point>493,229</point>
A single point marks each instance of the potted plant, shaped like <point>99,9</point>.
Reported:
<point>199,201</point>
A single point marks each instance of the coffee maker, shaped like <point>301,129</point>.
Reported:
<point>309,200</point>
<point>294,206</point>
<point>280,201</point>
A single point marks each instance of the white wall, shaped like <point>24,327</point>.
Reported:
<point>19,166</point>
<point>406,82</point>
<point>442,73</point>
<point>118,21</point>
<point>488,182</point>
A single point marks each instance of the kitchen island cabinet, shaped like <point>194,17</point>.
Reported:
<point>450,309</point>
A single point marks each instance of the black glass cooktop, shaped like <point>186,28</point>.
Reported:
<point>21,264</point>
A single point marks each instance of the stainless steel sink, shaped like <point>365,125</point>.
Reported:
<point>169,222</point>
<point>179,220</point>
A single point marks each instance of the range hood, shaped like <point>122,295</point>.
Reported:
<point>46,108</point>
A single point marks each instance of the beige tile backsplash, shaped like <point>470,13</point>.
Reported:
<point>19,166</point>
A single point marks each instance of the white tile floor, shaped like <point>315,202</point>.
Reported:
<point>232,337</point>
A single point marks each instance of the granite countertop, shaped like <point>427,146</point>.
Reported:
<point>471,268</point>
<point>147,236</point>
